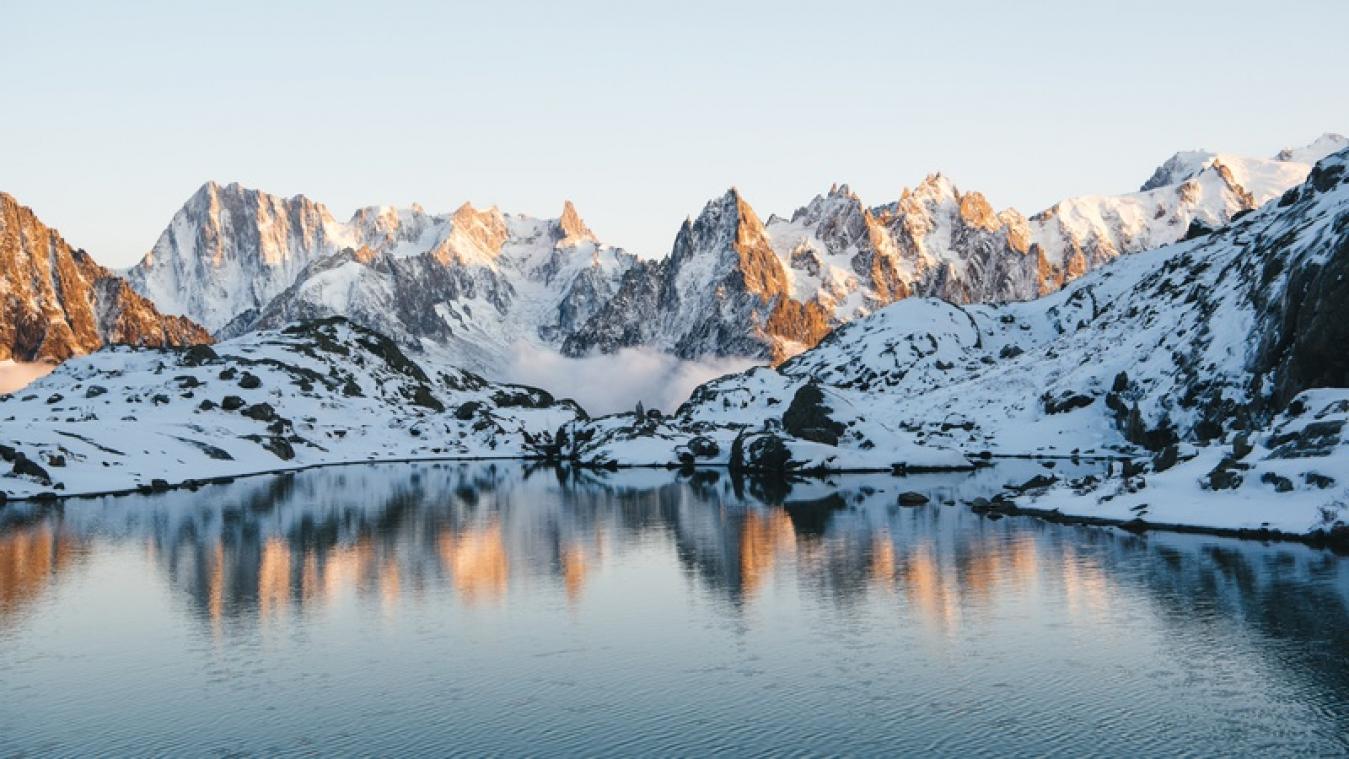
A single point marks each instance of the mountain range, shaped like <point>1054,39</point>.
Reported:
<point>468,285</point>
<point>1206,375</point>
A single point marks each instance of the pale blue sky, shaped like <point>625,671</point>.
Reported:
<point>639,112</point>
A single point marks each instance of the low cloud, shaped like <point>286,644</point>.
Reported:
<point>14,375</point>
<point>606,384</point>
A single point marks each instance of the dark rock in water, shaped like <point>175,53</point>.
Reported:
<point>94,391</point>
<point>263,412</point>
<point>761,452</point>
<point>807,417</point>
<point>1281,484</point>
<point>1136,526</point>
<point>1038,481</point>
<point>980,504</point>
<point>1318,480</point>
<point>158,485</point>
<point>912,498</point>
<point>250,381</point>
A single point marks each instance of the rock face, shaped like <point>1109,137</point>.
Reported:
<point>722,291</point>
<point>230,249</point>
<point>56,302</point>
<point>473,283</point>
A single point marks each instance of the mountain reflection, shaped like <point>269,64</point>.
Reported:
<point>262,548</point>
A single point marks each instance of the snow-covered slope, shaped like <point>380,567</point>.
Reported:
<point>1190,350</point>
<point>315,393</point>
<point>56,302</point>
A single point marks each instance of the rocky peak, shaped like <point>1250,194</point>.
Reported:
<point>1177,169</point>
<point>572,228</point>
<point>59,303</point>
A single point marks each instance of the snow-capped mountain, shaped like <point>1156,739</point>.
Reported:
<point>469,285</point>
<point>1220,357</point>
<point>231,249</point>
<point>56,302</point>
<point>838,259</point>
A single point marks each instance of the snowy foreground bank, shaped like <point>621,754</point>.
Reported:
<point>312,394</point>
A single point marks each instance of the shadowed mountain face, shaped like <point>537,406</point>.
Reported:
<point>56,302</point>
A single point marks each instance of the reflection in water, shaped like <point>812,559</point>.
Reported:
<point>254,548</point>
<point>263,553</point>
<point>31,556</point>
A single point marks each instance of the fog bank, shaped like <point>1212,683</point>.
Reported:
<point>606,384</point>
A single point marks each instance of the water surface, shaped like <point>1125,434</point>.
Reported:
<point>470,608</point>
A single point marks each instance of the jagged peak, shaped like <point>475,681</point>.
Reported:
<point>572,227</point>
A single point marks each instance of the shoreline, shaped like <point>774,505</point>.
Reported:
<point>1336,541</point>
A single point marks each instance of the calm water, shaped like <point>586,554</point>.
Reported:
<point>474,608</point>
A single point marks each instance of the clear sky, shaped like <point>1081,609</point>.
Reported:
<point>114,113</point>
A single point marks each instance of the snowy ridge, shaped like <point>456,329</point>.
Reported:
<point>317,393</point>
<point>1183,354</point>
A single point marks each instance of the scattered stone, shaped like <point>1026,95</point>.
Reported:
<point>232,403</point>
<point>1318,480</point>
<point>94,391</point>
<point>1281,484</point>
<point>250,381</point>
<point>263,412</point>
<point>912,498</point>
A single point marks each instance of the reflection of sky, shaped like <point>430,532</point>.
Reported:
<point>650,571</point>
